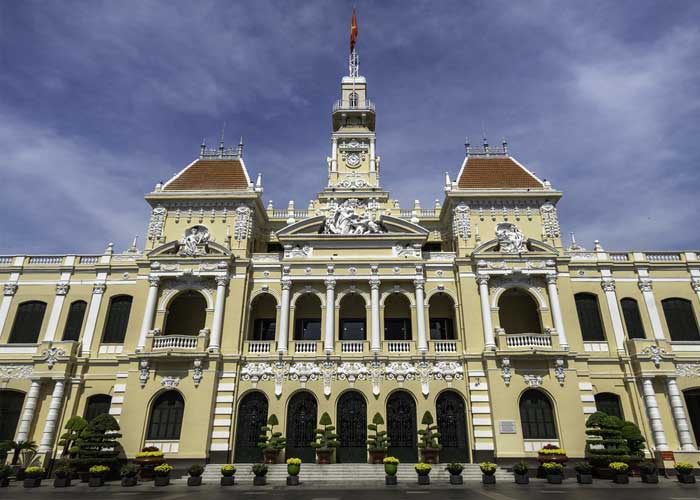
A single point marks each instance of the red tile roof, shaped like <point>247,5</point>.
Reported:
<point>210,175</point>
<point>496,173</point>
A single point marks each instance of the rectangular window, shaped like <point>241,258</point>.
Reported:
<point>264,329</point>
<point>589,317</point>
<point>307,329</point>
<point>117,319</point>
<point>397,329</point>
<point>352,329</point>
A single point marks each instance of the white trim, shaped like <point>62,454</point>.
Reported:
<point>179,174</point>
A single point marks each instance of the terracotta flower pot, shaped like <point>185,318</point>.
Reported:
<point>377,457</point>
<point>324,456</point>
<point>430,456</point>
<point>270,456</point>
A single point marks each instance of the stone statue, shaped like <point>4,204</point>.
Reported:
<point>510,238</point>
<point>193,238</point>
<point>343,220</point>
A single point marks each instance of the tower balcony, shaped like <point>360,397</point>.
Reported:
<point>365,105</point>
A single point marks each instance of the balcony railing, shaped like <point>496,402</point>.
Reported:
<point>359,105</point>
<point>352,346</point>
<point>444,345</point>
<point>515,340</point>
<point>259,346</point>
<point>305,346</point>
<point>395,346</point>
<point>175,342</point>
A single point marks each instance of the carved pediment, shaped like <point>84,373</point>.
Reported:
<point>528,245</point>
<point>175,249</point>
<point>388,227</point>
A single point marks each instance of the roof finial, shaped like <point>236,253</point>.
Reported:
<point>221,141</point>
<point>573,240</point>
<point>504,143</point>
<point>240,147</point>
<point>467,146</point>
<point>202,147</point>
<point>486,142</point>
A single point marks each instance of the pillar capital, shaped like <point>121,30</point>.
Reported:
<point>222,281</point>
<point>286,283</point>
<point>551,278</point>
<point>645,284</point>
<point>330,283</point>
<point>62,288</point>
<point>99,288</point>
<point>153,280</point>
<point>608,284</point>
<point>419,283</point>
<point>374,282</point>
<point>10,289</point>
<point>483,279</point>
<point>695,284</point>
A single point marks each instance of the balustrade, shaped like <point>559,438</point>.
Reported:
<point>175,342</point>
<point>305,346</point>
<point>528,340</point>
<point>395,346</point>
<point>352,346</point>
<point>258,347</point>
<point>445,345</point>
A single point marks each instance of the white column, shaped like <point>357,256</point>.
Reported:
<point>556,310</point>
<point>9,291</point>
<point>217,324</point>
<point>608,285</point>
<point>98,291</point>
<point>25,423</point>
<point>420,315</point>
<point>372,158</point>
<point>52,418</point>
<point>645,287</point>
<point>149,313</point>
<point>376,344</point>
<point>284,316</point>
<point>679,416</point>
<point>61,291</point>
<point>657,428</point>
<point>334,154</point>
<point>489,342</point>
<point>329,338</point>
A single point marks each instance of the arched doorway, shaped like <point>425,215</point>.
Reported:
<point>517,312</point>
<point>401,426</point>
<point>692,402</point>
<point>352,428</point>
<point>165,423</point>
<point>263,313</point>
<point>537,416</point>
<point>252,415</point>
<point>353,317</point>
<point>452,426</point>
<point>397,317</point>
<point>301,426</point>
<point>307,317</point>
<point>10,410</point>
<point>187,314</point>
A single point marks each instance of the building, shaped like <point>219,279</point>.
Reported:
<point>472,309</point>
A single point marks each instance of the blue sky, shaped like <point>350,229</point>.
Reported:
<point>101,100</point>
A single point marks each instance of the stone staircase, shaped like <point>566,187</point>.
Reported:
<point>351,473</point>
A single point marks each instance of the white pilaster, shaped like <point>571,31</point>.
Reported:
<point>284,316</point>
<point>679,416</point>
<point>149,313</point>
<point>372,158</point>
<point>657,428</point>
<point>645,287</point>
<point>59,299</point>
<point>420,315</point>
<point>217,324</point>
<point>608,286</point>
<point>25,423</point>
<point>52,417</point>
<point>556,310</point>
<point>376,344</point>
<point>9,291</point>
<point>489,342</point>
<point>334,154</point>
<point>329,337</point>
<point>98,291</point>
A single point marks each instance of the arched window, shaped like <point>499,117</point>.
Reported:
<point>187,314</point>
<point>166,416</point>
<point>353,315</point>
<point>609,403</point>
<point>536,416</point>
<point>10,410</point>
<point>74,323</point>
<point>354,100</point>
<point>441,313</point>
<point>97,405</point>
<point>633,320</point>
<point>263,311</point>
<point>117,319</point>
<point>307,317</point>
<point>28,320</point>
<point>680,319</point>
<point>517,312</point>
<point>589,317</point>
<point>397,317</point>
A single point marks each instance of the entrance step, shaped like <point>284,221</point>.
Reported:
<point>315,473</point>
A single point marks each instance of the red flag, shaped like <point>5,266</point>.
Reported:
<point>353,31</point>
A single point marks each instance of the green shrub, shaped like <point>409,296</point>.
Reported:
<point>195,470</point>
<point>98,443</point>
<point>259,469</point>
<point>428,437</point>
<point>583,468</point>
<point>228,470</point>
<point>129,470</point>
<point>605,443</point>
<point>270,440</point>
<point>520,468</point>
<point>326,439</point>
<point>619,467</point>
<point>647,467</point>
<point>379,440</point>
<point>683,467</point>
<point>423,469</point>
<point>34,472</point>
<point>488,468</point>
<point>163,470</point>
<point>6,471</point>
<point>454,468</point>
<point>553,468</point>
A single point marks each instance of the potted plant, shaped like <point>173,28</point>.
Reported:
<point>325,441</point>
<point>97,475</point>
<point>62,474</point>
<point>293,468</point>
<point>5,473</point>
<point>648,472</point>
<point>195,471</point>
<point>260,471</point>
<point>685,472</point>
<point>554,472</point>
<point>488,472</point>
<point>271,442</point>
<point>378,442</point>
<point>391,466</point>
<point>428,440</point>
<point>147,460</point>
<point>129,473</point>
<point>228,477</point>
<point>33,475</point>
<point>423,471</point>
<point>621,472</point>
<point>520,472</point>
<point>162,474</point>
<point>455,469</point>
<point>584,473</point>
<point>552,453</point>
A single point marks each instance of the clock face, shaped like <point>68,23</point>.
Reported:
<point>353,160</point>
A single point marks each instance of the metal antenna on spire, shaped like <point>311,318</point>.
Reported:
<point>221,141</point>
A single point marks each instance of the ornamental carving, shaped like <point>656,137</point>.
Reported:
<point>304,371</point>
<point>15,371</point>
<point>448,370</point>
<point>170,383</point>
<point>256,372</point>
<point>197,372</point>
<point>157,223</point>
<point>550,221</point>
<point>608,285</point>
<point>510,238</point>
<point>407,250</point>
<point>695,284</point>
<point>193,241</point>
<point>533,380</point>
<point>352,181</point>
<point>655,353</point>
<point>688,370</point>
<point>99,288</point>
<point>291,251</point>
<point>10,289</point>
<point>143,372</point>
<point>645,285</point>
<point>51,355</point>
<point>461,225</point>
<point>506,371</point>
<point>352,371</point>
<point>342,219</point>
<point>400,371</point>
<point>244,222</point>
<point>375,373</point>
<point>62,288</point>
<point>559,372</point>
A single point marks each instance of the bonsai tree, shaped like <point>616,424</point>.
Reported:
<point>326,440</point>
<point>271,442</point>
<point>98,443</point>
<point>428,439</point>
<point>605,443</point>
<point>635,440</point>
<point>378,441</point>
<point>73,427</point>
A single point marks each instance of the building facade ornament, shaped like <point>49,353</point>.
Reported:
<point>256,371</point>
<point>608,284</point>
<point>559,372</point>
<point>9,289</point>
<point>156,225</point>
<point>400,371</point>
<point>291,251</point>
<point>169,382</point>
<point>352,371</point>
<point>194,240</point>
<point>510,238</point>
<point>483,279</point>
<point>407,250</point>
<point>448,370</point>
<point>645,284</point>
<point>424,370</point>
<point>304,371</point>
<point>153,281</point>
<point>222,281</point>
<point>244,223</point>
<point>461,223</point>
<point>51,355</point>
<point>342,220</point>
<point>197,372</point>
<point>506,371</point>
<point>551,279</point>
<point>533,380</point>
<point>143,372</point>
<point>550,221</point>
<point>15,371</point>
<point>695,284</point>
<point>375,373</point>
<point>99,288</point>
<point>327,375</point>
<point>655,353</point>
<point>688,369</point>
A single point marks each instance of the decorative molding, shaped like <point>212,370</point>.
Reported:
<point>695,284</point>
<point>688,369</point>
<point>304,250</point>
<point>194,241</point>
<point>559,372</point>
<point>342,220</point>
<point>510,238</point>
<point>170,383</point>
<point>197,372</point>
<point>352,371</point>
<point>461,224</point>
<point>153,281</point>
<point>244,223</point>
<point>62,288</point>
<point>533,380</point>
<point>143,372</point>
<point>608,284</point>
<point>407,250</point>
<point>51,355</point>
<point>15,371</point>
<point>157,223</point>
<point>550,221</point>
<point>10,289</point>
<point>304,371</point>
<point>655,353</point>
<point>645,284</point>
<point>99,288</point>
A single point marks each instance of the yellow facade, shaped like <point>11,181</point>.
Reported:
<point>353,306</point>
